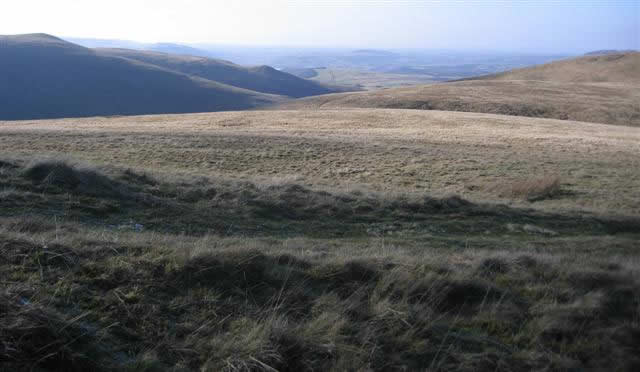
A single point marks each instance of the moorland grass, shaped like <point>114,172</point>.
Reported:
<point>397,151</point>
<point>388,282</point>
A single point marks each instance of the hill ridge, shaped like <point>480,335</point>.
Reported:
<point>46,77</point>
<point>601,89</point>
<point>264,79</point>
<point>621,67</point>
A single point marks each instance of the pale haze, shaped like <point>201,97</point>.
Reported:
<point>532,26</point>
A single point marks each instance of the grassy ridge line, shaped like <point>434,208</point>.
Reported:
<point>597,89</point>
<point>622,67</point>
<point>595,103</point>
<point>262,79</point>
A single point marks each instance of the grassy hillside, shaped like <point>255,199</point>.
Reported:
<point>261,79</point>
<point>604,68</point>
<point>600,89</point>
<point>45,77</point>
<point>480,157</point>
<point>315,240</point>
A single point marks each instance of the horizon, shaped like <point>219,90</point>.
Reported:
<point>547,27</point>
<point>328,48</point>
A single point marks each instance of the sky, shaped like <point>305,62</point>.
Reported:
<point>528,25</point>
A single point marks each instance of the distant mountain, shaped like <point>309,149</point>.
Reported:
<point>177,49</point>
<point>373,52</point>
<point>608,51</point>
<point>127,44</point>
<point>104,43</point>
<point>261,79</point>
<point>42,76</point>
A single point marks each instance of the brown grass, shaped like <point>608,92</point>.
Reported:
<point>609,103</point>
<point>614,68</point>
<point>439,153</point>
<point>389,282</point>
<point>262,241</point>
<point>534,189</point>
<point>597,89</point>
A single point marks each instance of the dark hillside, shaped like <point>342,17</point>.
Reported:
<point>45,77</point>
<point>261,79</point>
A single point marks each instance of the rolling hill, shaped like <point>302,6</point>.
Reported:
<point>601,68</point>
<point>42,76</point>
<point>263,79</point>
<point>601,89</point>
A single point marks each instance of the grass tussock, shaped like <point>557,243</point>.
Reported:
<point>533,189</point>
<point>64,175</point>
<point>39,337</point>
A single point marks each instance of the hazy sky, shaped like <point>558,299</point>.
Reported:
<point>528,25</point>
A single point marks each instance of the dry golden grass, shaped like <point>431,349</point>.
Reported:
<point>534,189</point>
<point>433,152</point>
<point>610,103</point>
<point>601,89</point>
<point>619,68</point>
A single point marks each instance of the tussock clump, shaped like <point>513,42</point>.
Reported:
<point>593,321</point>
<point>340,274</point>
<point>622,302</point>
<point>247,346</point>
<point>42,339</point>
<point>451,202</point>
<point>444,294</point>
<point>292,261</point>
<point>460,295</point>
<point>593,280</point>
<point>7,164</point>
<point>533,189</point>
<point>493,266</point>
<point>32,255</point>
<point>428,204</point>
<point>526,261</point>
<point>131,176</point>
<point>225,270</point>
<point>30,224</point>
<point>62,175</point>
